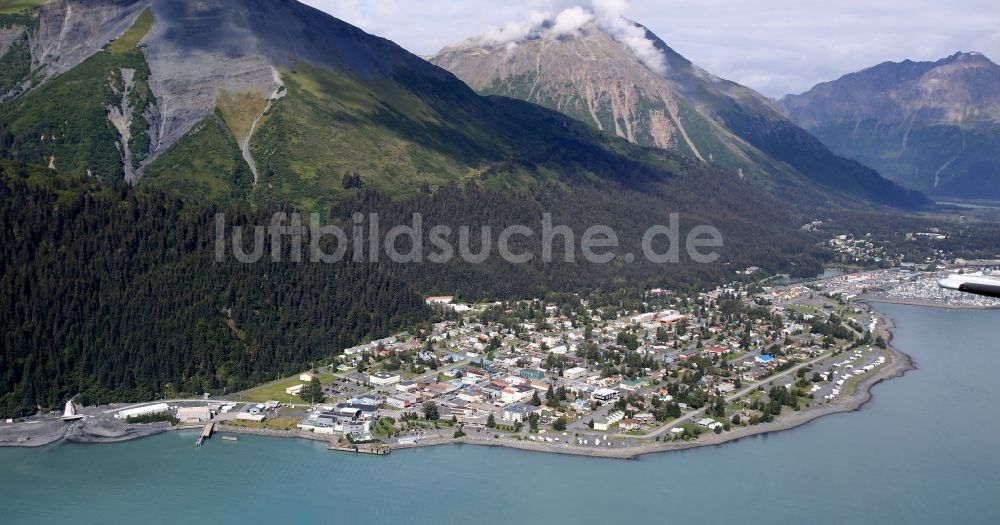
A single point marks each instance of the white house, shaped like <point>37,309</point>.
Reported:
<point>519,413</point>
<point>516,393</point>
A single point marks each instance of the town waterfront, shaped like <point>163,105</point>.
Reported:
<point>922,451</point>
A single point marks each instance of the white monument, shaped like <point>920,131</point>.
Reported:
<point>69,413</point>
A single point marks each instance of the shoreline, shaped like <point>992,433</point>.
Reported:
<point>901,364</point>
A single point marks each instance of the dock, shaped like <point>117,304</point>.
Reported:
<point>377,449</point>
<point>206,433</point>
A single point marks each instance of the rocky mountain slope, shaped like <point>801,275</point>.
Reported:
<point>271,101</point>
<point>622,79</point>
<point>932,126</point>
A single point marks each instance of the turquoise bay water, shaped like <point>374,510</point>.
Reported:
<point>923,451</point>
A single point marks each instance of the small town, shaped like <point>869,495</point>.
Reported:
<point>613,375</point>
<point>609,376</point>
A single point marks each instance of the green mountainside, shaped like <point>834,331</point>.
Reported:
<point>64,123</point>
<point>335,103</point>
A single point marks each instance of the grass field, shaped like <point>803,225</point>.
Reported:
<point>275,390</point>
<point>278,423</point>
<point>130,39</point>
<point>8,7</point>
<point>206,164</point>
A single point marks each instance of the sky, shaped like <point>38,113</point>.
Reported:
<point>774,46</point>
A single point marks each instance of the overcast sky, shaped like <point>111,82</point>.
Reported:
<point>774,46</point>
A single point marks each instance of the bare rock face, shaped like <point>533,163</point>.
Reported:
<point>9,35</point>
<point>592,76</point>
<point>71,31</point>
<point>195,50</point>
<point>199,49</point>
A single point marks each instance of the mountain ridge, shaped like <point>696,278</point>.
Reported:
<point>932,125</point>
<point>590,75</point>
<point>308,99</point>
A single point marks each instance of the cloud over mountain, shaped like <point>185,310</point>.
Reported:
<point>609,15</point>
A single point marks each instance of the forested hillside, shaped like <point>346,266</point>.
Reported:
<point>112,293</point>
<point>756,229</point>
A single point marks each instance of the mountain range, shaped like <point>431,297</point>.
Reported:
<point>271,101</point>
<point>620,78</point>
<point>931,126</point>
<point>268,101</point>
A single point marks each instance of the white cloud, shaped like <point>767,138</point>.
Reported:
<point>569,22</point>
<point>608,14</point>
<point>514,31</point>
<point>611,15</point>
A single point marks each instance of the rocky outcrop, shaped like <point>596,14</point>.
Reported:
<point>9,35</point>
<point>70,31</point>
<point>120,116</point>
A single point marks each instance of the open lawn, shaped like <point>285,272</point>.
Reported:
<point>278,423</point>
<point>18,6</point>
<point>275,390</point>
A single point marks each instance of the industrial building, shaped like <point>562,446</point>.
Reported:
<point>143,411</point>
<point>194,414</point>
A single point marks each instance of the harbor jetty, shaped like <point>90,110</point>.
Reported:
<point>206,433</point>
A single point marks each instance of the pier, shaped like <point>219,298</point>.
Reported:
<point>206,433</point>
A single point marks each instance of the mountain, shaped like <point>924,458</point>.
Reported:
<point>271,101</point>
<point>268,100</point>
<point>622,79</point>
<point>931,126</point>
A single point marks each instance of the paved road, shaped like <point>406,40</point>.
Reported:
<point>738,394</point>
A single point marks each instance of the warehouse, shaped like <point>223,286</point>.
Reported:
<point>194,414</point>
<point>142,411</point>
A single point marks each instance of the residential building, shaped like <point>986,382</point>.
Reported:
<point>519,412</point>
